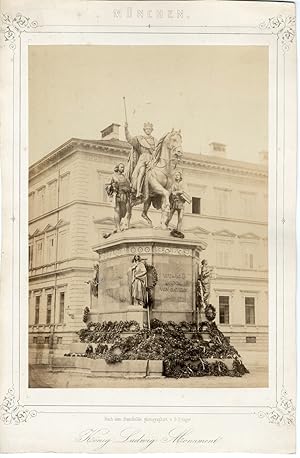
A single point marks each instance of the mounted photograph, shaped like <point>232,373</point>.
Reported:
<point>148,216</point>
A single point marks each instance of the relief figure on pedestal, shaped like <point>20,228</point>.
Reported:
<point>94,282</point>
<point>142,279</point>
<point>203,285</point>
<point>138,282</point>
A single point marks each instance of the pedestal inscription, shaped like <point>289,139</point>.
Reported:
<point>176,283</point>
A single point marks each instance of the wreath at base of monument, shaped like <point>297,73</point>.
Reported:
<point>181,347</point>
<point>210,312</point>
<point>108,331</point>
<point>86,313</point>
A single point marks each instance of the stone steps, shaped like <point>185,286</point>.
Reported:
<point>125,369</point>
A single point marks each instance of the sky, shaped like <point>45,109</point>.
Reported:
<point>211,93</point>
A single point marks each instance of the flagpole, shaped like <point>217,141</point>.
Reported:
<point>125,110</point>
<point>148,314</point>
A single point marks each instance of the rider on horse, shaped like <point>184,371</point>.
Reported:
<point>140,159</point>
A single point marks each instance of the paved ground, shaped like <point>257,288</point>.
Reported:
<point>40,378</point>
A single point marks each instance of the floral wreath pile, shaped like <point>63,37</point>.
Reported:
<point>184,350</point>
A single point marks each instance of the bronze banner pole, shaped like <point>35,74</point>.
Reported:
<point>125,110</point>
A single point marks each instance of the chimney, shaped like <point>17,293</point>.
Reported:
<point>217,149</point>
<point>111,132</point>
<point>264,157</point>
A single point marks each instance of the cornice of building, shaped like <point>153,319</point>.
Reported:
<point>198,161</point>
<point>213,163</point>
<point>72,146</point>
<point>205,217</point>
<point>60,271</point>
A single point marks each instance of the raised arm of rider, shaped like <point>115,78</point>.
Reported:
<point>132,140</point>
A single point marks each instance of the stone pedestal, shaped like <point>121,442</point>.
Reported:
<point>177,264</point>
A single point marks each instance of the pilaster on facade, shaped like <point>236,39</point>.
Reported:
<point>237,309</point>
<point>80,178</point>
<point>79,236</point>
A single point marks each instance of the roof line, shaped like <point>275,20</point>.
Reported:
<point>213,161</point>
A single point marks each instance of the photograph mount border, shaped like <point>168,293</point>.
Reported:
<point>16,49</point>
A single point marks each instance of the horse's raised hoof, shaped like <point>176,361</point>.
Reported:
<point>147,218</point>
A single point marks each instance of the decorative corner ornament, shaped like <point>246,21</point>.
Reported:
<point>14,27</point>
<point>12,413</point>
<point>283,27</point>
<point>283,413</point>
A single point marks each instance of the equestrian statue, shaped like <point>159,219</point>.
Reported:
<point>150,170</point>
<point>149,177</point>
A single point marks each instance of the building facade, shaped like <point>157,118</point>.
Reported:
<point>69,211</point>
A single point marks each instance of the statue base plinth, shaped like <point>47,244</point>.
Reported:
<point>133,313</point>
<point>175,260</point>
<point>138,314</point>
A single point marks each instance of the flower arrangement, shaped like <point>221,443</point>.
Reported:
<point>210,312</point>
<point>182,355</point>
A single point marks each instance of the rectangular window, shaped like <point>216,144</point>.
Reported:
<point>49,306</point>
<point>52,195</point>
<point>34,340</point>
<point>247,204</point>
<point>39,252</point>
<point>47,340</point>
<point>31,206</point>
<point>50,249</point>
<point>250,310</point>
<point>196,205</point>
<point>64,188</point>
<point>61,307</point>
<point>223,254</point>
<point>37,309</point>
<point>30,256</point>
<point>222,202</point>
<point>250,339</point>
<point>249,260</point>
<point>100,187</point>
<point>224,309</point>
<point>63,252</point>
<point>103,181</point>
<point>41,200</point>
<point>59,340</point>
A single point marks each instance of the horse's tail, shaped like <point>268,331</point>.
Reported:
<point>156,202</point>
